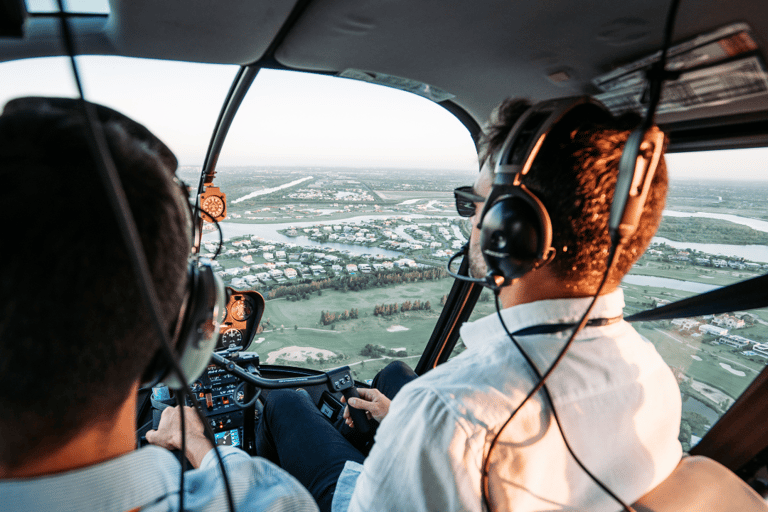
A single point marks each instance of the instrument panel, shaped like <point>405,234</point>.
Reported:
<point>244,311</point>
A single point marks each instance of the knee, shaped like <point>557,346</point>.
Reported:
<point>396,368</point>
<point>286,403</point>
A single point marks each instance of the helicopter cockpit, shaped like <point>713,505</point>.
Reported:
<point>320,145</point>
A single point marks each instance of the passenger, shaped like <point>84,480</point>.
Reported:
<point>617,400</point>
<point>75,335</point>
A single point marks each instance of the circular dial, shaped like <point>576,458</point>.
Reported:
<point>241,310</point>
<point>232,337</point>
<point>213,206</point>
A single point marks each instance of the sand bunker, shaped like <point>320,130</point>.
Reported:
<point>259,340</point>
<point>713,394</point>
<point>295,353</point>
<point>730,369</point>
<point>696,358</point>
<point>396,328</point>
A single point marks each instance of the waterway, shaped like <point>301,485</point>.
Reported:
<point>756,253</point>
<point>690,404</point>
<point>759,225</point>
<point>665,282</point>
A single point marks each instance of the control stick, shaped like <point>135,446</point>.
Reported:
<point>340,379</point>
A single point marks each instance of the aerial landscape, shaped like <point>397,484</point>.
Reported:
<point>351,263</point>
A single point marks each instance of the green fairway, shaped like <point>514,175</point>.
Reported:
<point>297,324</point>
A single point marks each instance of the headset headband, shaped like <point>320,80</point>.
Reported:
<point>528,134</point>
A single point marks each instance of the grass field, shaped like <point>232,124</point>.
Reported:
<point>297,324</point>
<point>677,350</point>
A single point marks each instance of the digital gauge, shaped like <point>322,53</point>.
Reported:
<point>232,337</point>
<point>241,310</point>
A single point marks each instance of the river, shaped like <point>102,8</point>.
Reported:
<point>759,225</point>
<point>665,282</point>
<point>756,253</point>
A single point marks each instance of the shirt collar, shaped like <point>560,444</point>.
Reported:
<point>542,312</point>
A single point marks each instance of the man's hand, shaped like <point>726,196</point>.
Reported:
<point>372,401</point>
<point>168,434</point>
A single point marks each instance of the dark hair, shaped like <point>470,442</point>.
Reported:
<point>574,175</point>
<point>74,332</point>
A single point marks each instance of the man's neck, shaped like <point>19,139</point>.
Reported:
<point>541,284</point>
<point>105,440</point>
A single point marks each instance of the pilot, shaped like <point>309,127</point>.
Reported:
<point>617,401</point>
<point>75,335</point>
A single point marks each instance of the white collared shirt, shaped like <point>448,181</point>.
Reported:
<point>618,402</point>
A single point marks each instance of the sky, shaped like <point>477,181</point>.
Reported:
<point>291,118</point>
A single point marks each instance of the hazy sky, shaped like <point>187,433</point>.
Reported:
<point>297,118</point>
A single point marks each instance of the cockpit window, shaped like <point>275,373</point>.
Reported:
<point>178,101</point>
<point>340,211</point>
<point>714,232</point>
<point>77,6</point>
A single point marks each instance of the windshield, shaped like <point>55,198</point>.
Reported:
<point>340,211</point>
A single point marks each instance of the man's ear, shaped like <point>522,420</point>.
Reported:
<point>546,259</point>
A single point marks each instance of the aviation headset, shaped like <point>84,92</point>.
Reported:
<point>515,227</point>
<point>196,329</point>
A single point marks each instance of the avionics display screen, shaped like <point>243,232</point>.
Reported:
<point>228,438</point>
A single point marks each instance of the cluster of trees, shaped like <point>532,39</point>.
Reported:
<point>303,290</point>
<point>393,309</point>
<point>378,351</point>
<point>365,281</point>
<point>327,318</point>
<point>386,310</point>
<point>299,291</point>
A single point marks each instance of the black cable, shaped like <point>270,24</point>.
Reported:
<point>183,457</point>
<point>658,73</point>
<point>542,385</point>
<point>197,209</point>
<point>249,403</point>
<point>116,195</point>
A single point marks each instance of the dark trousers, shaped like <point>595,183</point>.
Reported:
<point>295,435</point>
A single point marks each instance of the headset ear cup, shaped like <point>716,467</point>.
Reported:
<point>197,331</point>
<point>516,234</point>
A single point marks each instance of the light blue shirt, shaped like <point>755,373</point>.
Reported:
<point>149,479</point>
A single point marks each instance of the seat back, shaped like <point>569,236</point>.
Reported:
<point>701,484</point>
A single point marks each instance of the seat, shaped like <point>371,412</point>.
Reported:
<point>700,484</point>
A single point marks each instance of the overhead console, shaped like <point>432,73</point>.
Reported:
<point>719,73</point>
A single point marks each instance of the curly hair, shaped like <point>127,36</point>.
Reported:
<point>574,175</point>
<point>74,332</point>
